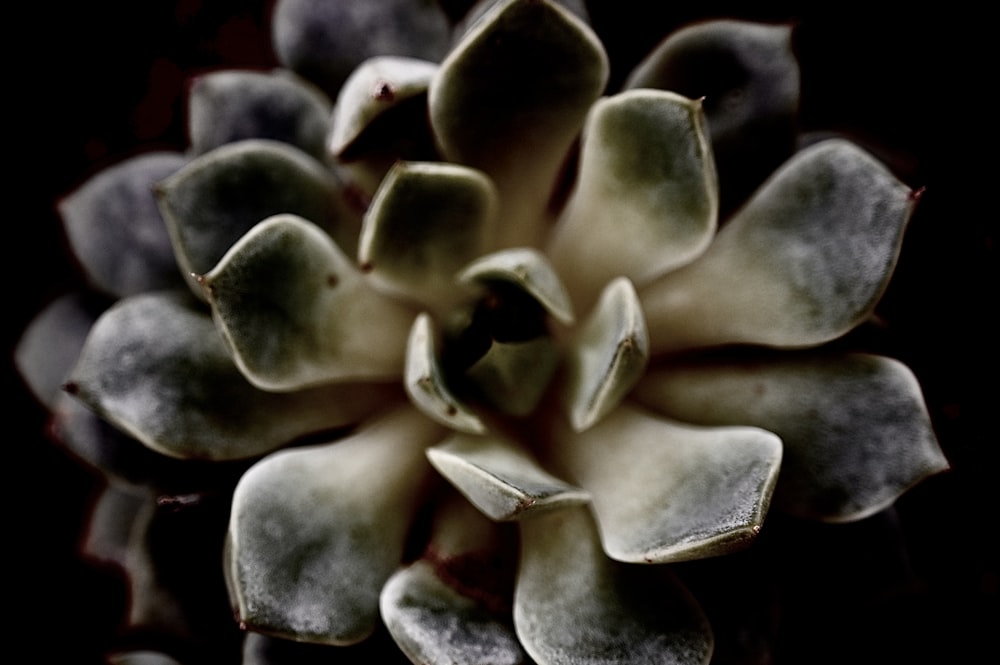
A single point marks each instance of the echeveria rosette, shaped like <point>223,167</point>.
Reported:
<point>502,278</point>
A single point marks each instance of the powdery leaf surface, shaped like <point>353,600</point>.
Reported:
<point>155,366</point>
<point>316,532</point>
<point>575,606</point>
<point>802,263</point>
<point>855,430</point>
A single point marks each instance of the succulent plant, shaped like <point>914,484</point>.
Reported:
<point>475,346</point>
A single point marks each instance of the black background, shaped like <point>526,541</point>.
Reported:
<point>94,82</point>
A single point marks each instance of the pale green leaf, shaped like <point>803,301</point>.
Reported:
<point>316,532</point>
<point>527,269</point>
<point>230,105</point>
<point>426,222</point>
<point>608,354</point>
<point>512,377</point>
<point>215,199</point>
<point>378,86</point>
<point>435,610</point>
<point>855,429</point>
<point>646,197</point>
<point>115,229</point>
<point>510,100</point>
<point>802,263</point>
<point>666,491</point>
<point>325,40</point>
<point>296,312</point>
<point>499,477</point>
<point>156,367</point>
<point>425,383</point>
<point>748,75</point>
<point>381,118</point>
<point>574,606</point>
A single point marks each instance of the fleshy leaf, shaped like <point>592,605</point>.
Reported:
<point>608,355</point>
<point>665,491</point>
<point>748,76</point>
<point>381,118</point>
<point>527,269</point>
<point>315,532</point>
<point>50,346</point>
<point>141,658</point>
<point>855,429</point>
<point>574,606</point>
<point>375,88</point>
<point>116,231</point>
<point>435,614</point>
<point>112,516</point>
<point>512,376</point>
<point>425,384</point>
<point>426,222</point>
<point>297,313</point>
<point>157,368</point>
<point>498,477</point>
<point>122,459</point>
<point>230,106</point>
<point>646,197</point>
<point>325,40</point>
<point>214,200</point>
<point>524,75</point>
<point>802,263</point>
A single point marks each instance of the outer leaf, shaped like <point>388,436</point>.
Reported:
<point>126,461</point>
<point>315,532</point>
<point>803,263</point>
<point>524,75</point>
<point>158,369</point>
<point>436,613</point>
<point>855,430</point>
<point>646,197</point>
<point>608,355</point>
<point>325,40</point>
<point>749,78</point>
<point>425,384</point>
<point>297,313</point>
<point>221,195</point>
<point>112,517</point>
<point>574,606</point>
<point>230,106</point>
<point>50,346</point>
<point>427,221</point>
<point>142,658</point>
<point>500,478</point>
<point>664,491</point>
<point>115,229</point>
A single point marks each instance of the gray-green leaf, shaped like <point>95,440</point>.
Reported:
<point>221,195</point>
<point>855,429</point>
<point>156,367</point>
<point>666,491</point>
<point>230,106</point>
<point>510,100</point>
<point>116,231</point>
<point>316,532</point>
<point>574,606</point>
<point>646,197</point>
<point>296,312</point>
<point>498,477</point>
<point>802,263</point>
